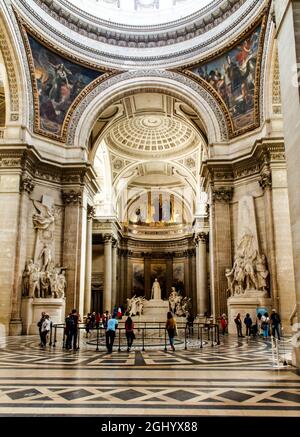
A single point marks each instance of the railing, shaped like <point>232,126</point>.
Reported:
<point>203,333</point>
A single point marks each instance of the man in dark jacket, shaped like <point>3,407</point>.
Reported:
<point>275,323</point>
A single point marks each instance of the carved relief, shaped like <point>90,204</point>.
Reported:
<point>266,179</point>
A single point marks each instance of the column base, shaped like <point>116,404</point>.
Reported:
<point>15,327</point>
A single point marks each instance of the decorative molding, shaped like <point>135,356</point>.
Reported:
<point>222,194</point>
<point>26,184</point>
<point>276,91</point>
<point>11,76</point>
<point>71,197</point>
<point>107,238</point>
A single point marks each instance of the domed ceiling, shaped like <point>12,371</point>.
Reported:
<point>140,12</point>
<point>152,133</point>
<point>147,125</point>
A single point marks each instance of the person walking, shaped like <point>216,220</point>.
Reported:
<point>171,328</point>
<point>129,329</point>
<point>112,325</point>
<point>265,323</point>
<point>72,321</point>
<point>238,323</point>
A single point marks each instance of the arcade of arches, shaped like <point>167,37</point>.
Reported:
<point>133,147</point>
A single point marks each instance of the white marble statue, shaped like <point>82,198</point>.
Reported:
<point>46,255</point>
<point>156,290</point>
<point>135,305</point>
<point>45,216</point>
<point>249,271</point>
<point>262,272</point>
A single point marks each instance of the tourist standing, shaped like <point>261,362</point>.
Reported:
<point>248,323</point>
<point>129,329</point>
<point>112,325</point>
<point>224,323</point>
<point>171,328</point>
<point>275,323</point>
<point>238,323</point>
<point>45,329</point>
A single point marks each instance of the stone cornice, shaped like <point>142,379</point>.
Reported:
<point>26,158</point>
<point>264,152</point>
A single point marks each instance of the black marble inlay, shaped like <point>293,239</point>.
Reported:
<point>128,395</point>
<point>293,397</point>
<point>139,359</point>
<point>75,394</point>
<point>181,395</point>
<point>235,396</point>
<point>24,393</point>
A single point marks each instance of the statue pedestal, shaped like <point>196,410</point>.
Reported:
<point>245,303</point>
<point>32,308</point>
<point>155,310</point>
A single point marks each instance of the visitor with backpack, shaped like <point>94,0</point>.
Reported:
<point>275,323</point>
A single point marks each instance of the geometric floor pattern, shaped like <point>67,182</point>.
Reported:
<point>234,378</point>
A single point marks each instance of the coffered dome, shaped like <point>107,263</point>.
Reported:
<point>152,134</point>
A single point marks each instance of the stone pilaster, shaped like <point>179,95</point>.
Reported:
<point>221,256</point>
<point>26,187</point>
<point>114,273</point>
<point>265,183</point>
<point>88,267</point>
<point>201,273</point>
<point>107,295</point>
<point>73,250</point>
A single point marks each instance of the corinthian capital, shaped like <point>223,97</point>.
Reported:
<point>26,184</point>
<point>71,197</point>
<point>202,237</point>
<point>90,212</point>
<point>265,180</point>
<point>222,194</point>
<point>107,238</point>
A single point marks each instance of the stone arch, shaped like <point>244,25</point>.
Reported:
<point>167,82</point>
<point>15,92</point>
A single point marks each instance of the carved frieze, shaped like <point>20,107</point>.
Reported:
<point>90,212</point>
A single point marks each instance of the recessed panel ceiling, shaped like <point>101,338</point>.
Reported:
<point>152,134</point>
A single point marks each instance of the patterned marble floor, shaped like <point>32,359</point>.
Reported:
<point>237,378</point>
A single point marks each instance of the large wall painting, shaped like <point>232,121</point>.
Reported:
<point>234,78</point>
<point>178,276</point>
<point>58,83</point>
<point>159,271</point>
<point>138,279</point>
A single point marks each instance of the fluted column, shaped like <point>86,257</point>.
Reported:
<point>201,273</point>
<point>114,273</point>
<point>266,184</point>
<point>88,265</point>
<point>107,296</point>
<point>26,187</point>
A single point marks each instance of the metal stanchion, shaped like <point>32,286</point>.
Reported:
<point>143,339</point>
<point>165,340</point>
<point>78,339</point>
<point>185,345</point>
<point>97,347</point>
<point>201,336</point>
<point>218,334</point>
<point>50,340</point>
<point>119,348</point>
